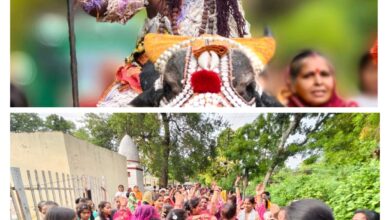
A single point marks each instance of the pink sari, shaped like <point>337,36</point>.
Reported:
<point>122,214</point>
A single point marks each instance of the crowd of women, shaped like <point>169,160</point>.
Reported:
<point>195,203</point>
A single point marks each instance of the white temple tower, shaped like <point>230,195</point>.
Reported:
<point>135,175</point>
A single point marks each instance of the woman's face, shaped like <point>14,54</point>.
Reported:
<point>248,206</point>
<point>118,203</point>
<point>107,209</point>
<point>197,210</point>
<point>203,203</point>
<point>315,83</point>
<point>123,203</point>
<point>85,214</point>
<point>359,216</point>
<point>159,203</point>
<point>264,199</point>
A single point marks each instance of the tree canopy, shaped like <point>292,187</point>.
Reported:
<point>172,146</point>
<point>31,122</point>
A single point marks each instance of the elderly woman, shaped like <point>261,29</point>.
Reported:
<point>312,82</point>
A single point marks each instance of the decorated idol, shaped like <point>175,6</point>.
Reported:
<point>191,53</point>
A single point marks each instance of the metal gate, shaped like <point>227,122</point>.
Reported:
<point>62,188</point>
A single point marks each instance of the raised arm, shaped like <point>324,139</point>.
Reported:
<point>238,196</point>
<point>259,190</point>
<point>214,199</point>
<point>193,191</point>
<point>112,10</point>
<point>171,193</point>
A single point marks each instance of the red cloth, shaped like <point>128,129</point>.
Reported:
<point>205,212</point>
<point>130,75</point>
<point>335,101</point>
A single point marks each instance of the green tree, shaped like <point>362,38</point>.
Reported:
<point>344,188</point>
<point>262,146</point>
<point>345,133</point>
<point>359,189</point>
<point>342,170</point>
<point>313,181</point>
<point>26,122</point>
<point>99,131</point>
<point>176,146</point>
<point>54,122</point>
<point>82,134</point>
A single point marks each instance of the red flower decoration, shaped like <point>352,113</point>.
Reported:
<point>129,76</point>
<point>205,81</point>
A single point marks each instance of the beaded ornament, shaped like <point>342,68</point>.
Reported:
<point>208,76</point>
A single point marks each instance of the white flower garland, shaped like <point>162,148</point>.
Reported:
<point>187,97</point>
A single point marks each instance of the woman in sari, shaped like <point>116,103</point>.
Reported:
<point>312,82</point>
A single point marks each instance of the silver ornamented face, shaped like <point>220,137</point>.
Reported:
<point>208,78</point>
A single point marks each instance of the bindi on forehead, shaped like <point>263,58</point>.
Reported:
<point>313,64</point>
